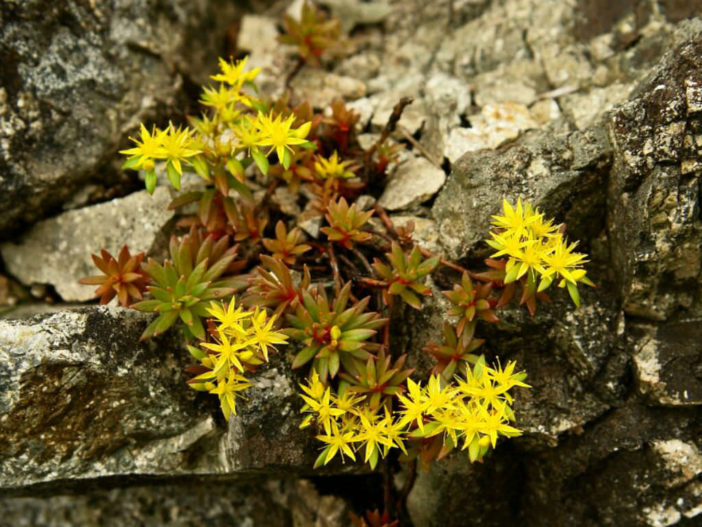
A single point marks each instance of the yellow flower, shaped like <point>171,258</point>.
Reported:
<point>436,397</point>
<point>324,408</point>
<point>177,145</point>
<point>494,423</point>
<point>505,377</point>
<point>562,260</point>
<point>338,442</point>
<point>229,317</point>
<point>228,353</point>
<point>278,133</point>
<point>372,434</point>
<point>514,220</point>
<point>506,244</point>
<point>146,150</point>
<point>232,73</point>
<point>415,405</point>
<point>332,168</point>
<point>246,132</point>
<point>223,99</point>
<point>227,389</point>
<point>394,431</point>
<point>263,332</point>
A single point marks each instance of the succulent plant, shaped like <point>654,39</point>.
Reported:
<point>341,125</point>
<point>122,277</point>
<point>313,34</point>
<point>286,246</point>
<point>345,223</point>
<point>458,348</point>
<point>184,285</point>
<point>470,301</point>
<point>404,274</point>
<point>333,335</point>
<point>272,285</point>
<point>378,378</point>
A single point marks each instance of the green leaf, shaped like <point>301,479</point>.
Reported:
<point>235,167</point>
<point>165,321</point>
<point>241,188</point>
<point>150,181</point>
<point>186,316</point>
<point>184,199</point>
<point>574,294</point>
<point>321,459</point>
<point>201,167</point>
<point>409,297</point>
<point>196,352</point>
<point>308,145</point>
<point>197,329</point>
<point>147,306</point>
<point>261,160</point>
<point>357,335</point>
<point>511,276</point>
<point>173,175</point>
<point>474,449</point>
<point>205,209</point>
<point>545,283</point>
<point>131,163</point>
<point>287,159</point>
<point>333,364</point>
<point>304,356</point>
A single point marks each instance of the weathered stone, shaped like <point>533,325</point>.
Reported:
<point>585,109</point>
<point>245,502</point>
<point>78,76</point>
<point>57,251</point>
<point>561,173</point>
<point>320,88</point>
<point>82,398</point>
<point>494,125</point>
<point>667,360</point>
<point>413,182</point>
<point>654,220</point>
<point>354,12</point>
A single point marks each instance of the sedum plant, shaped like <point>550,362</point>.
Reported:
<point>312,295</point>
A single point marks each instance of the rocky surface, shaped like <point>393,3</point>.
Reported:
<point>57,251</point>
<point>77,76</point>
<point>591,109</point>
<point>284,503</point>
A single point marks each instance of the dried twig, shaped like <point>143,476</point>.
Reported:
<point>387,130</point>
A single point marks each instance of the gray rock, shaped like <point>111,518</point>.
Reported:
<point>413,182</point>
<point>354,12</point>
<point>77,77</point>
<point>253,502</point>
<point>321,88</point>
<point>82,398</point>
<point>562,173</point>
<point>667,362</point>
<point>654,195</point>
<point>57,251</point>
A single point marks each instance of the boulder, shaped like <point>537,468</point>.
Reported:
<point>77,77</point>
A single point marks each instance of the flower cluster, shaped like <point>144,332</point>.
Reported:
<point>277,221</point>
<point>240,343</point>
<point>471,413</point>
<point>240,129</point>
<point>535,248</point>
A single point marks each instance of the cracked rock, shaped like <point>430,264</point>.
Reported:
<point>76,77</point>
<point>413,182</point>
<point>57,251</point>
